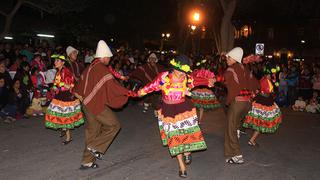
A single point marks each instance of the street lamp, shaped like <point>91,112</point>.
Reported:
<point>45,35</point>
<point>8,37</point>
<point>196,16</point>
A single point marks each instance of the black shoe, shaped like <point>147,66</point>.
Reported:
<point>95,153</point>
<point>65,142</point>
<point>183,174</point>
<point>187,159</point>
<point>93,166</point>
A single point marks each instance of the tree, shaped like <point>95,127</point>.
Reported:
<point>48,6</point>
<point>224,29</point>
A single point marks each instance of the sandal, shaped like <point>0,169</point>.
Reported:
<point>65,142</point>
<point>187,159</point>
<point>183,174</point>
<point>93,166</point>
<point>253,144</point>
<point>235,160</point>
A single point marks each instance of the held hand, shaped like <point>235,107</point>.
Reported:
<point>78,96</point>
<point>124,78</point>
<point>132,94</point>
<point>211,82</point>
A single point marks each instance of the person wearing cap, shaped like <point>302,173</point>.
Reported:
<point>240,84</point>
<point>177,117</point>
<point>99,91</point>
<point>64,111</point>
<point>145,74</point>
<point>75,66</point>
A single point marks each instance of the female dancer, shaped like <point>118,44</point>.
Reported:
<point>202,97</point>
<point>178,122</point>
<point>265,115</point>
<point>64,111</point>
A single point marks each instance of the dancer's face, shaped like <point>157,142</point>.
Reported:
<point>230,61</point>
<point>105,60</point>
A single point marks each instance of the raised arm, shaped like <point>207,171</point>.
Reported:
<point>201,78</point>
<point>155,85</point>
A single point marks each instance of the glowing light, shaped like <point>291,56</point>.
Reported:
<point>8,37</point>
<point>193,27</point>
<point>168,35</point>
<point>45,35</point>
<point>196,16</point>
<point>163,35</point>
<point>303,41</point>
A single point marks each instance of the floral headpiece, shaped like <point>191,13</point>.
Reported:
<point>186,68</point>
<point>201,62</point>
<point>58,56</point>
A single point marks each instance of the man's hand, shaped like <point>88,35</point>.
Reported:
<point>78,96</point>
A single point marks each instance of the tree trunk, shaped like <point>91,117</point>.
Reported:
<point>181,34</point>
<point>227,29</point>
<point>8,19</point>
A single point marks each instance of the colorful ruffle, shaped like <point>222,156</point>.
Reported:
<point>204,98</point>
<point>264,119</point>
<point>65,115</point>
<point>181,133</point>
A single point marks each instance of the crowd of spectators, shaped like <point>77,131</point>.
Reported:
<point>26,73</point>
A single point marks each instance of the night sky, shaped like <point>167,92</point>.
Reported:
<point>148,18</point>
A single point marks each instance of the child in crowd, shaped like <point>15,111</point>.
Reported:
<point>313,105</point>
<point>40,91</point>
<point>299,105</point>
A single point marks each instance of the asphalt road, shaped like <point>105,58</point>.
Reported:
<point>30,151</point>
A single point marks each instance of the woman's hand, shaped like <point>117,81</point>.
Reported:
<point>211,82</point>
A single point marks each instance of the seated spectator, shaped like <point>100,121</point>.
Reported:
<point>299,105</point>
<point>5,74</point>
<point>14,108</point>
<point>3,93</point>
<point>313,105</point>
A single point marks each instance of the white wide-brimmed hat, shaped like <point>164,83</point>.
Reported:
<point>153,55</point>
<point>103,50</point>
<point>70,49</point>
<point>236,54</point>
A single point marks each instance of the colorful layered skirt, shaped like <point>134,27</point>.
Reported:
<point>64,112</point>
<point>179,129</point>
<point>204,98</point>
<point>265,115</point>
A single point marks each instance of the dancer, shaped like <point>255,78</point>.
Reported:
<point>265,115</point>
<point>75,66</point>
<point>240,84</point>
<point>64,111</point>
<point>203,98</point>
<point>146,73</point>
<point>98,91</point>
<point>177,116</point>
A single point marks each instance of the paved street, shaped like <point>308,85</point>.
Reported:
<point>29,151</point>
